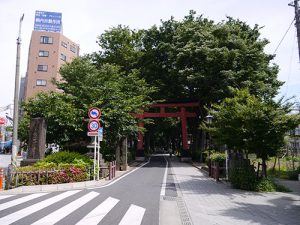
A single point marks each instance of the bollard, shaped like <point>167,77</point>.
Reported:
<point>1,178</point>
<point>298,177</point>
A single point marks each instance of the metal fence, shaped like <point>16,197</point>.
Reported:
<point>15,179</point>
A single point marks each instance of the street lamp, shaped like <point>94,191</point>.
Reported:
<point>16,99</point>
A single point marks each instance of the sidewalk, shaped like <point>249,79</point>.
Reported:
<point>212,203</point>
<point>69,186</point>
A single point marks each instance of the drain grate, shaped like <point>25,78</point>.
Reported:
<point>183,212</point>
<point>169,198</point>
<point>187,223</point>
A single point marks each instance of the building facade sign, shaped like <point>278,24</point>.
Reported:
<point>47,21</point>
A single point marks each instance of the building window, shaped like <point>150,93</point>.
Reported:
<point>41,82</point>
<point>63,57</point>
<point>73,48</point>
<point>46,40</point>
<point>43,68</point>
<point>64,44</point>
<point>43,53</point>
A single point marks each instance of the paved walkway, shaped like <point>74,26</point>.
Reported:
<point>209,202</point>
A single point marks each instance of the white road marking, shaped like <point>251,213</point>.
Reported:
<point>19,201</point>
<point>133,216</point>
<point>34,208</point>
<point>59,214</point>
<point>5,196</point>
<point>97,214</point>
<point>116,180</point>
<point>164,182</point>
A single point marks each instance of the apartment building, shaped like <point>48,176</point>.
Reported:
<point>49,49</point>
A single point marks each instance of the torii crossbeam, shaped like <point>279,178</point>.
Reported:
<point>181,113</point>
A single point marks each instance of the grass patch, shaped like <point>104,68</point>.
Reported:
<point>285,174</point>
<point>268,185</point>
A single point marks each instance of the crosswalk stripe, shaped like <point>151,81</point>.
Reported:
<point>66,210</point>
<point>95,216</point>
<point>133,216</point>
<point>5,196</point>
<point>20,200</point>
<point>34,208</point>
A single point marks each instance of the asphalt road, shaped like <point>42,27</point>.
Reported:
<point>132,200</point>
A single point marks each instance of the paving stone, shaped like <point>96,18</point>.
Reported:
<point>209,202</point>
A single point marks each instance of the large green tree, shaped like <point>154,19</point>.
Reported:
<point>194,59</point>
<point>64,119</point>
<point>245,122</point>
<point>84,86</point>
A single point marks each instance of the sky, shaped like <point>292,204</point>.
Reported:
<point>84,20</point>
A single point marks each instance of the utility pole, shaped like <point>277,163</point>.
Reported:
<point>295,4</point>
<point>16,99</point>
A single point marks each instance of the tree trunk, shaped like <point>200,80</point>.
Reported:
<point>274,164</point>
<point>293,161</point>
<point>264,168</point>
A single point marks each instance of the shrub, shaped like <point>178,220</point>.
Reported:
<point>218,157</point>
<point>61,167</point>
<point>242,176</point>
<point>196,155</point>
<point>69,173</point>
<point>268,185</point>
<point>131,154</point>
<point>290,158</point>
<point>67,157</point>
<point>293,175</point>
<point>34,175</point>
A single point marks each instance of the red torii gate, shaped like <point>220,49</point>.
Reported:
<point>182,113</point>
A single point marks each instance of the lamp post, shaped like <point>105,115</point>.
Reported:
<point>16,99</point>
<point>209,119</point>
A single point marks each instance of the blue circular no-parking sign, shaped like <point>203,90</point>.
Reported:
<point>94,113</point>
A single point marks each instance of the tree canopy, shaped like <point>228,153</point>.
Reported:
<point>194,59</point>
<point>85,86</point>
<point>244,122</point>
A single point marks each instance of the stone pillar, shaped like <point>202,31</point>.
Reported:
<point>121,154</point>
<point>37,141</point>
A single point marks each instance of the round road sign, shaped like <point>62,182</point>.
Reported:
<point>2,121</point>
<point>94,113</point>
<point>93,125</point>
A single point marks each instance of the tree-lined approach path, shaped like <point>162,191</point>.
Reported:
<point>153,195</point>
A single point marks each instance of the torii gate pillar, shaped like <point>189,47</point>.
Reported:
<point>183,114</point>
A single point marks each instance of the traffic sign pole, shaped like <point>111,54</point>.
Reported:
<point>94,127</point>
<point>98,158</point>
<point>95,158</point>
